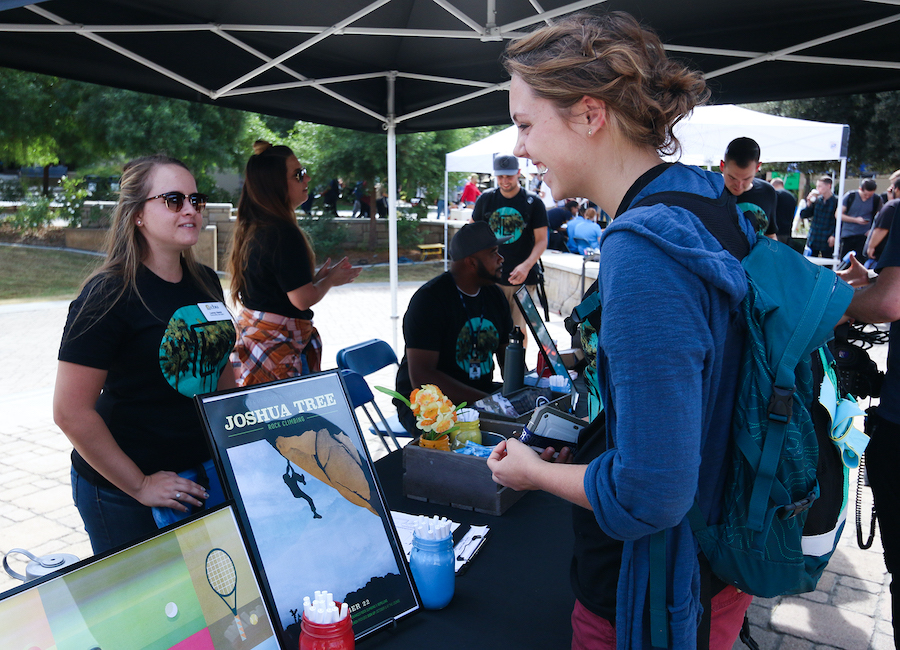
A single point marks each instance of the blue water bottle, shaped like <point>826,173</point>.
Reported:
<point>434,570</point>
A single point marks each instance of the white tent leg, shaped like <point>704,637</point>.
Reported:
<point>836,253</point>
<point>446,214</point>
<point>392,208</point>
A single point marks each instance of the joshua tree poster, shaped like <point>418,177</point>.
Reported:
<point>292,456</point>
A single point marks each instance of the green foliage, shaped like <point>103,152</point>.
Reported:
<point>72,198</point>
<point>44,120</point>
<point>330,152</point>
<point>327,237</point>
<point>34,214</point>
<point>408,235</point>
<point>27,118</point>
<point>11,190</point>
<point>871,117</point>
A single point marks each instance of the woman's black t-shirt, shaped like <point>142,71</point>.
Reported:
<point>157,356</point>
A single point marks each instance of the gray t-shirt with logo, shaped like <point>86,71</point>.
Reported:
<point>858,208</point>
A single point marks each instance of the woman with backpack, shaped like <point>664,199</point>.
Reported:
<point>601,88</point>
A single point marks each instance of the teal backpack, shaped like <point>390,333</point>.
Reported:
<point>785,496</point>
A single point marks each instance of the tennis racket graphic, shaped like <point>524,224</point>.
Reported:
<point>223,579</point>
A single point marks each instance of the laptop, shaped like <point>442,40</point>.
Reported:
<point>542,336</point>
<point>523,402</point>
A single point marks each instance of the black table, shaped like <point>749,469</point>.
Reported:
<point>514,594</point>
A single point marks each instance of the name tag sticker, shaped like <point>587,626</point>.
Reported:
<point>214,311</point>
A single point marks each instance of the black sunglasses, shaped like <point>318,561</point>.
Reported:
<point>175,200</point>
<point>300,174</point>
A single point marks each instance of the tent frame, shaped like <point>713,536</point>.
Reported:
<point>488,31</point>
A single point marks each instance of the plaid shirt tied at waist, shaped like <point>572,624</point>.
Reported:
<point>270,346</point>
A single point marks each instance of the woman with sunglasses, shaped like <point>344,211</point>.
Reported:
<point>600,88</point>
<point>273,272</point>
<point>148,332</point>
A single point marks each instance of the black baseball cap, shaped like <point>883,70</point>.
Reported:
<point>473,238</point>
<point>506,166</point>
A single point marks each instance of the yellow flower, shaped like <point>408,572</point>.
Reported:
<point>435,412</point>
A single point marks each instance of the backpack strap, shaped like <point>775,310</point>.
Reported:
<point>719,215</point>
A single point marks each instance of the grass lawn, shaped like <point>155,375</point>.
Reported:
<point>44,274</point>
<point>33,274</point>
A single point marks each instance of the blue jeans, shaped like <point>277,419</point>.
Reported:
<point>111,517</point>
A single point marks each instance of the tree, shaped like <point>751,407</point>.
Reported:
<point>27,118</point>
<point>873,142</point>
<point>331,152</point>
<point>45,120</point>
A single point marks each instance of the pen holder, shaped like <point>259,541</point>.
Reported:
<point>468,427</point>
<point>434,570</point>
<point>326,636</point>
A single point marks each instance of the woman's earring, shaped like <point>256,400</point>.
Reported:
<point>590,132</point>
<point>139,222</point>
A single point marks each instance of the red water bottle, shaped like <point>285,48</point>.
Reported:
<point>326,636</point>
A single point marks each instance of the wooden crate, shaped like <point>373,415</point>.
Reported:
<point>451,479</point>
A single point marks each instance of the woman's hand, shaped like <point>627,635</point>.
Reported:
<point>342,273</point>
<point>322,273</point>
<point>169,490</point>
<point>512,464</point>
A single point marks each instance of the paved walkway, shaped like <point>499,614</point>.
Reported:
<point>850,610</point>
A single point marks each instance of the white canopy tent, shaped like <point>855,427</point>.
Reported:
<point>704,136</point>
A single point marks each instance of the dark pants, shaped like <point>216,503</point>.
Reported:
<point>882,461</point>
<point>854,243</point>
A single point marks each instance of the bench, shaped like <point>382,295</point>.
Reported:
<point>431,250</point>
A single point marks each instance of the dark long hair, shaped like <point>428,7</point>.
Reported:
<point>264,200</point>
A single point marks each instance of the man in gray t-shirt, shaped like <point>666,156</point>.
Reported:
<point>858,209</point>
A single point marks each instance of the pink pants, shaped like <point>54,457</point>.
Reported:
<point>591,632</point>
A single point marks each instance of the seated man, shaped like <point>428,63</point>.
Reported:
<point>584,233</point>
<point>456,323</point>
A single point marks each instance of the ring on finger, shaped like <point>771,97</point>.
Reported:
<point>178,495</point>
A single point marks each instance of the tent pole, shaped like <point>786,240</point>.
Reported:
<point>392,203</point>
<point>836,253</point>
<point>446,213</point>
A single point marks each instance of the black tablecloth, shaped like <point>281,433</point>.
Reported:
<point>515,592</point>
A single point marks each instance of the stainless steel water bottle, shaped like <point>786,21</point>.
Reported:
<point>514,364</point>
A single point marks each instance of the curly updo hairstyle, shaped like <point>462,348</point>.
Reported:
<point>612,58</point>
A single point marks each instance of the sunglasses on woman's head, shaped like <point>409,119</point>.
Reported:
<point>300,174</point>
<point>175,200</point>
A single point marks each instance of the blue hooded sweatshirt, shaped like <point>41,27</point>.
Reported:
<point>667,360</point>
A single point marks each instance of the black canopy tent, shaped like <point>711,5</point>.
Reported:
<point>417,65</point>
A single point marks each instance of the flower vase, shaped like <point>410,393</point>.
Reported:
<point>441,444</point>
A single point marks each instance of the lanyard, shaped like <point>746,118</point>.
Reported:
<point>469,318</point>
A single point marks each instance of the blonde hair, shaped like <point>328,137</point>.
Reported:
<point>265,199</point>
<point>126,247</point>
<point>590,214</point>
<point>613,59</point>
